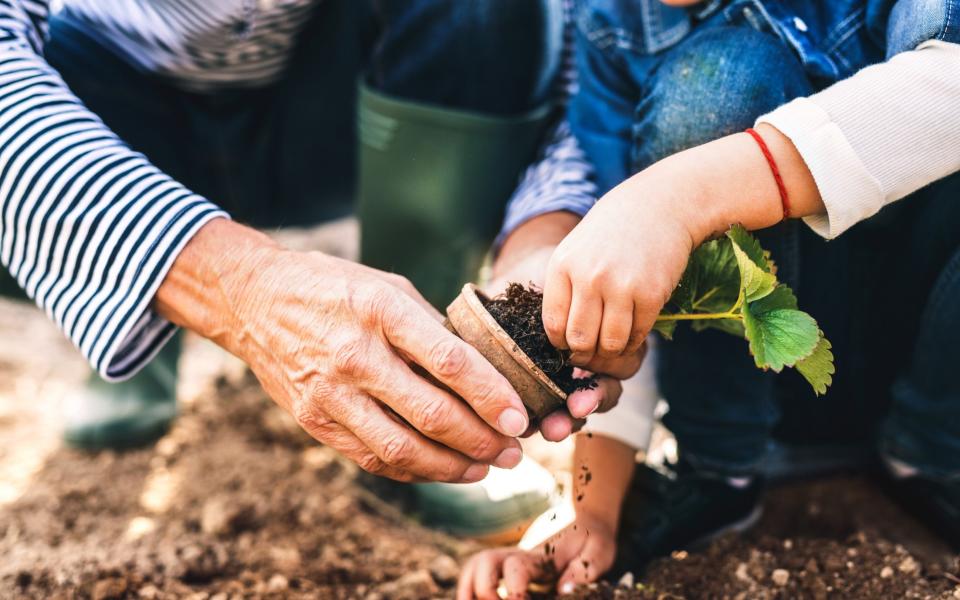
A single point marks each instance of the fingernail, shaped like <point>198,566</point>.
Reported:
<point>512,422</point>
<point>474,473</point>
<point>509,458</point>
<point>581,405</point>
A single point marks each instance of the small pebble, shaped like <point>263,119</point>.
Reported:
<point>788,544</point>
<point>908,565</point>
<point>886,572</point>
<point>741,573</point>
<point>627,580</point>
<point>278,583</point>
<point>780,577</point>
<point>444,570</point>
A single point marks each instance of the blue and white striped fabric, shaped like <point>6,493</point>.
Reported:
<point>561,179</point>
<point>88,227</point>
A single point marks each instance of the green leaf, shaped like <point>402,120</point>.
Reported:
<point>665,328</point>
<point>756,282</point>
<point>751,247</point>
<point>779,334</point>
<point>755,277</point>
<point>711,282</point>
<point>731,326</point>
<point>818,368</point>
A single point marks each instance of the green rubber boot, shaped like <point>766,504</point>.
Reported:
<point>128,414</point>
<point>433,186</point>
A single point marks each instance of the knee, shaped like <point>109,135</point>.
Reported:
<point>714,84</point>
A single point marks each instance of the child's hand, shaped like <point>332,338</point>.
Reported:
<point>580,553</point>
<point>609,278</point>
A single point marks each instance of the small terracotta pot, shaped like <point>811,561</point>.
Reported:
<point>468,318</point>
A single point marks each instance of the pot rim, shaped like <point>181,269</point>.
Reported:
<point>471,293</point>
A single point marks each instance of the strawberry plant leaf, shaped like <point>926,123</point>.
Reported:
<point>818,368</point>
<point>731,326</point>
<point>665,328</point>
<point>711,282</point>
<point>779,334</point>
<point>755,277</point>
<point>730,285</point>
<point>751,247</point>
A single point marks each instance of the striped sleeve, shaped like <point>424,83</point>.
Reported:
<point>561,179</point>
<point>88,227</point>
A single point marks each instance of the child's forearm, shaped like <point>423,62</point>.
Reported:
<point>728,181</point>
<point>603,468</point>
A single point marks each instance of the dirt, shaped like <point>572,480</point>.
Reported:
<point>236,502</point>
<point>519,310</point>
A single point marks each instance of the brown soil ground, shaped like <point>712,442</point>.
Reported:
<point>235,502</point>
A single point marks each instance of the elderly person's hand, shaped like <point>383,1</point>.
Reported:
<point>354,354</point>
<point>524,258</point>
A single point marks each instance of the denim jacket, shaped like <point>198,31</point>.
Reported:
<point>833,38</point>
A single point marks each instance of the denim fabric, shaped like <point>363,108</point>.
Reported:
<point>623,43</point>
<point>285,154</point>
<point>884,293</point>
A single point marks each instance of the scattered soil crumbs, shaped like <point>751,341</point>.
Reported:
<point>519,310</point>
<point>236,502</point>
<point>838,538</point>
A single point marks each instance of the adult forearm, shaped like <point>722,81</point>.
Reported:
<point>541,233</point>
<point>202,290</point>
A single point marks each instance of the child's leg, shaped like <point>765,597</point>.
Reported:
<point>923,427</point>
<point>715,83</point>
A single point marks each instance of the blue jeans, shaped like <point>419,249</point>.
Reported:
<point>885,293</point>
<point>285,154</point>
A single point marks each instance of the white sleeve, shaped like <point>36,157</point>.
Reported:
<point>879,135</point>
<point>632,420</point>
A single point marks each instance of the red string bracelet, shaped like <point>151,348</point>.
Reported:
<point>784,199</point>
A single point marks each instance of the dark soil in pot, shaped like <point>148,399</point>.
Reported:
<point>519,311</point>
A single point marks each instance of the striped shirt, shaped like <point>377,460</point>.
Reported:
<point>89,227</point>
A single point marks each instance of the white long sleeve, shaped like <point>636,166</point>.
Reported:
<point>632,420</point>
<point>879,135</point>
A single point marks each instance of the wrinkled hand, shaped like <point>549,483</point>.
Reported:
<point>526,264</point>
<point>337,344</point>
<point>581,553</point>
<point>355,355</point>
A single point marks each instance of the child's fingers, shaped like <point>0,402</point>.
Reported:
<point>621,367</point>
<point>518,571</point>
<point>616,327</point>
<point>583,324</point>
<point>465,582</point>
<point>486,574</point>
<point>556,305</point>
<point>556,426</point>
<point>638,333</point>
<point>592,562</point>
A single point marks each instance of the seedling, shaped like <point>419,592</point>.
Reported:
<point>730,284</point>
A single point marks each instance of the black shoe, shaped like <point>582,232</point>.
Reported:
<point>934,503</point>
<point>681,509</point>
